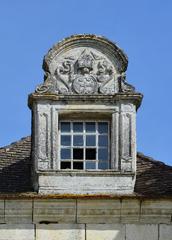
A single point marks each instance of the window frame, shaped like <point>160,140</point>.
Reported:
<point>84,147</point>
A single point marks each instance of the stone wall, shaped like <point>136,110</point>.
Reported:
<point>85,219</point>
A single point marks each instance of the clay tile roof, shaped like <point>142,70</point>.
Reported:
<point>15,165</point>
<point>154,178</point>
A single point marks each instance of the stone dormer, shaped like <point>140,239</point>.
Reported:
<point>84,120</point>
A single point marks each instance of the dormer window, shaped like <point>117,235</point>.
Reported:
<point>84,120</point>
<point>84,145</point>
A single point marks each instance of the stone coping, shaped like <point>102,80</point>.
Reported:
<point>35,195</point>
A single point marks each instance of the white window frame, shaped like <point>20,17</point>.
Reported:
<point>84,134</point>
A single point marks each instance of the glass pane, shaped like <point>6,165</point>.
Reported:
<point>78,127</point>
<point>91,154</point>
<point>65,165</point>
<point>77,165</point>
<point>65,153</point>
<point>103,141</point>
<point>65,140</point>
<point>65,127</point>
<point>103,127</point>
<point>90,140</point>
<point>90,127</point>
<point>103,165</point>
<point>78,153</point>
<point>78,140</point>
<point>103,154</point>
<point>90,165</point>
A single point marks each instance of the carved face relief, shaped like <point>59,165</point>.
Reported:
<point>83,71</point>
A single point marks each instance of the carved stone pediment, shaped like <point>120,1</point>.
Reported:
<point>85,65</point>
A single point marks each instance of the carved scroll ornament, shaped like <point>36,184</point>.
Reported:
<point>83,71</point>
<point>85,74</point>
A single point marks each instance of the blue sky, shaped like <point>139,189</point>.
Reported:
<point>142,28</point>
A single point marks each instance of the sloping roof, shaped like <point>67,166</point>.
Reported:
<point>154,178</point>
<point>15,167</point>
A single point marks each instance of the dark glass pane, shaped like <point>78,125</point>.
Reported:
<point>78,141</point>
<point>65,127</point>
<point>78,127</point>
<point>103,127</point>
<point>90,127</point>
<point>65,165</point>
<point>65,140</point>
<point>91,154</point>
<point>90,140</point>
<point>65,153</point>
<point>103,141</point>
<point>90,165</point>
<point>77,165</point>
<point>103,154</point>
<point>78,153</point>
<point>103,165</point>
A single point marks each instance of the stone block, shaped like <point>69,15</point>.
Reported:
<point>17,232</point>
<point>105,232</point>
<point>82,183</point>
<point>55,211</point>
<point>60,232</point>
<point>142,232</point>
<point>130,211</point>
<point>18,211</point>
<point>2,211</point>
<point>156,211</point>
<point>98,211</point>
<point>165,232</point>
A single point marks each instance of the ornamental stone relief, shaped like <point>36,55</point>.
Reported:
<point>84,70</point>
<point>86,74</point>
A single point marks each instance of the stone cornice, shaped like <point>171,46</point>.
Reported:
<point>136,98</point>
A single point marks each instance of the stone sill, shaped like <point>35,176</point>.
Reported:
<point>84,173</point>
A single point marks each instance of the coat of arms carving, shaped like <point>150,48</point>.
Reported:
<point>87,74</point>
<point>83,71</point>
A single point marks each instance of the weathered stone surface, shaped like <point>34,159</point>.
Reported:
<point>130,211</point>
<point>84,71</point>
<point>57,211</point>
<point>165,232</point>
<point>156,211</point>
<point>84,78</point>
<point>60,232</point>
<point>2,211</point>
<point>17,232</point>
<point>84,184</point>
<point>18,211</point>
<point>98,211</point>
<point>85,64</point>
<point>105,232</point>
<point>141,232</point>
